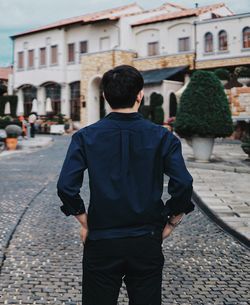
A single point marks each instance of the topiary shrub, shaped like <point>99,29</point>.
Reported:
<point>158,115</point>
<point>204,109</point>
<point>145,111</point>
<point>156,100</point>
<point>13,131</point>
<point>242,71</point>
<point>222,74</point>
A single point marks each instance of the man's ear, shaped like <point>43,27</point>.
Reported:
<point>140,95</point>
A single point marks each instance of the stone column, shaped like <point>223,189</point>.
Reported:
<point>65,99</point>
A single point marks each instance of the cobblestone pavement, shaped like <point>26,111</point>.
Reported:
<point>41,252</point>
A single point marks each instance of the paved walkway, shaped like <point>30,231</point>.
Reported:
<point>41,260</point>
<point>223,186</point>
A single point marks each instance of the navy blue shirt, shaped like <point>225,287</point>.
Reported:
<point>126,157</point>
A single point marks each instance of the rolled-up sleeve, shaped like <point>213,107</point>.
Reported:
<point>71,177</point>
<point>180,185</point>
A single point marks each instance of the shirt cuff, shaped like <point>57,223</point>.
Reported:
<point>168,211</point>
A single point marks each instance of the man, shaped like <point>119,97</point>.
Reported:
<point>123,230</point>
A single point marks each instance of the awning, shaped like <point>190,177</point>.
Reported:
<point>158,75</point>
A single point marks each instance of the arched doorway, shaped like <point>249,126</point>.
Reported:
<point>96,103</point>
<point>172,105</point>
<point>53,90</point>
<point>75,101</point>
<point>29,93</point>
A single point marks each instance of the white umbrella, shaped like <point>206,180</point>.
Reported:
<point>34,106</point>
<point>48,107</point>
<point>7,108</point>
<point>20,109</point>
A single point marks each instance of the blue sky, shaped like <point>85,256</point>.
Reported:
<point>17,16</point>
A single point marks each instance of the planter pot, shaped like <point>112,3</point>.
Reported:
<point>223,82</point>
<point>244,81</point>
<point>11,143</point>
<point>246,148</point>
<point>202,148</point>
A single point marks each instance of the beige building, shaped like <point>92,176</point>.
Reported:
<point>66,60</point>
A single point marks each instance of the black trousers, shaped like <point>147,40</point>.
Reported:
<point>137,260</point>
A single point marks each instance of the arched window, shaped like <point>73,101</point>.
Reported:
<point>208,42</point>
<point>246,37</point>
<point>223,45</point>
<point>29,93</point>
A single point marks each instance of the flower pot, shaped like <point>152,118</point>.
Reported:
<point>11,143</point>
<point>202,148</point>
<point>244,81</point>
<point>223,82</point>
<point>246,148</point>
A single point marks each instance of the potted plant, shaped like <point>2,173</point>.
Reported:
<point>12,132</point>
<point>203,114</point>
<point>243,75</point>
<point>223,75</point>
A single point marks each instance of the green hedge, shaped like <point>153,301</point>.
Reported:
<point>204,108</point>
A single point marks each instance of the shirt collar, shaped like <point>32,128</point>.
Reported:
<point>124,116</point>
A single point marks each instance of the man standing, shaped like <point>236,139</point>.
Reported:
<point>126,157</point>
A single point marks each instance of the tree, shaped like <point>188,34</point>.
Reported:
<point>204,109</point>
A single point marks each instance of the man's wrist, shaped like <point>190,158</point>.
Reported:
<point>175,220</point>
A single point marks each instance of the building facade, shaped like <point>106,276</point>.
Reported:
<point>66,60</point>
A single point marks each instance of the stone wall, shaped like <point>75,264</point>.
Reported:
<point>159,62</point>
<point>95,65</point>
<point>215,63</point>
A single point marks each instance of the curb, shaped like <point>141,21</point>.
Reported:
<point>26,149</point>
<point>218,221</point>
<point>224,168</point>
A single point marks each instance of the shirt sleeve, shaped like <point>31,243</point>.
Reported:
<point>180,185</point>
<point>71,177</point>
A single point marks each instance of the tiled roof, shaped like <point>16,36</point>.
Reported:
<point>180,7</point>
<point>180,14</point>
<point>111,14</point>
<point>4,72</point>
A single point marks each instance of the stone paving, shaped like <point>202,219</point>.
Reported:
<point>41,259</point>
<point>224,185</point>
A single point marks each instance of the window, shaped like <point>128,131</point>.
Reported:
<point>54,59</point>
<point>42,57</point>
<point>31,58</point>
<point>104,43</point>
<point>223,41</point>
<point>153,48</point>
<point>83,47</point>
<point>246,37</point>
<point>20,63</point>
<point>184,44</point>
<point>71,52</point>
<point>29,93</point>
<point>75,101</point>
<point>209,42</point>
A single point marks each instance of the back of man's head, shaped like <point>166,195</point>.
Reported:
<point>121,86</point>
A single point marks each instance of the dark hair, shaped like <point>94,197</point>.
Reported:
<point>121,86</point>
